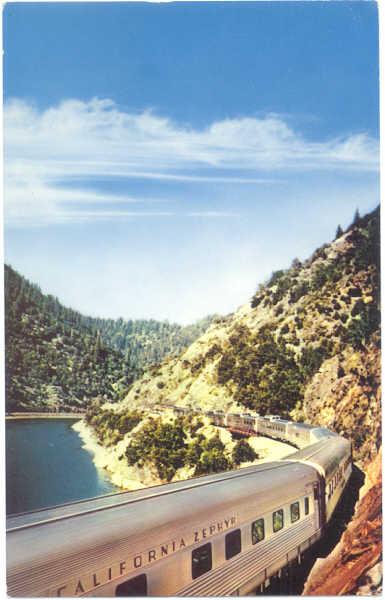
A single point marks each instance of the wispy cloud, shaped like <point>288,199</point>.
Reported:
<point>46,150</point>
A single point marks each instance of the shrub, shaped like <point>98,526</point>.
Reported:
<point>225,368</point>
<point>299,290</point>
<point>212,461</point>
<point>283,285</point>
<point>163,444</point>
<point>110,427</point>
<point>275,277</point>
<point>256,300</point>
<point>243,452</point>
<point>361,327</point>
<point>312,358</point>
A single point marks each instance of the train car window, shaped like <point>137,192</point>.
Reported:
<point>233,543</point>
<point>278,520</point>
<point>306,505</point>
<point>201,560</point>
<point>257,531</point>
<point>137,586</point>
<point>294,512</point>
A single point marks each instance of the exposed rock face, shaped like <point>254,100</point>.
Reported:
<point>354,566</point>
<point>345,396</point>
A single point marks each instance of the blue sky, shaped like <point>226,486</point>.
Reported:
<point>162,159</point>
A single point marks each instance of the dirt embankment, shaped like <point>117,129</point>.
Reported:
<point>355,566</point>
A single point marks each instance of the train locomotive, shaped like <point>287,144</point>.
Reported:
<point>214,535</point>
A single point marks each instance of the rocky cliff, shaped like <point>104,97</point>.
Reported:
<point>355,565</point>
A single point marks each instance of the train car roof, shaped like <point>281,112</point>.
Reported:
<point>322,432</point>
<point>301,425</point>
<point>328,453</point>
<point>280,421</point>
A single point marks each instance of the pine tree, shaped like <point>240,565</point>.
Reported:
<point>357,217</point>
<point>296,264</point>
<point>339,232</point>
<point>98,346</point>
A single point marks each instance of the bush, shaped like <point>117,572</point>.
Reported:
<point>212,461</point>
<point>327,273</point>
<point>362,327</point>
<point>194,451</point>
<point>161,444</point>
<point>110,426</point>
<point>256,300</point>
<point>243,452</point>
<point>299,290</point>
<point>225,368</point>
<point>283,285</point>
<point>165,446</point>
<point>312,358</point>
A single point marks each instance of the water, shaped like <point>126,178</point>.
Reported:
<point>46,465</point>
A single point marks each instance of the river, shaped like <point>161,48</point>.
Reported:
<point>46,465</point>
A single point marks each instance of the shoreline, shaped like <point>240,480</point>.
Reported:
<point>129,478</point>
<point>109,461</point>
<point>36,415</point>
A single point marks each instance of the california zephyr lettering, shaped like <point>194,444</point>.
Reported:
<point>141,559</point>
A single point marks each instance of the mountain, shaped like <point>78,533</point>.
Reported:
<point>307,345</point>
<point>58,359</point>
<point>147,342</point>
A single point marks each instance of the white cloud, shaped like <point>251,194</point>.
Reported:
<point>97,139</point>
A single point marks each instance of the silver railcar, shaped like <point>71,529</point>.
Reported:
<point>215,535</point>
<point>332,457</point>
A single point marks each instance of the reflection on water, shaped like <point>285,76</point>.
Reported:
<point>46,465</point>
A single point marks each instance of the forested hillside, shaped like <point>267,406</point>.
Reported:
<point>58,359</point>
<point>308,346</point>
<point>146,342</point>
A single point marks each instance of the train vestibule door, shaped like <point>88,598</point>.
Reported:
<point>319,505</point>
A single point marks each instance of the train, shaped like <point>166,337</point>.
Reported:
<point>214,535</point>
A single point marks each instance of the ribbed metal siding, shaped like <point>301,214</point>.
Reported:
<point>238,571</point>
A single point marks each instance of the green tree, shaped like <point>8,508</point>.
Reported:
<point>357,217</point>
<point>243,452</point>
<point>212,461</point>
<point>339,232</point>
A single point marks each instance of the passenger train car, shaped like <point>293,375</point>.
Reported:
<point>215,535</point>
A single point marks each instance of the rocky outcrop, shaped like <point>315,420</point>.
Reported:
<point>355,566</point>
<point>345,396</point>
